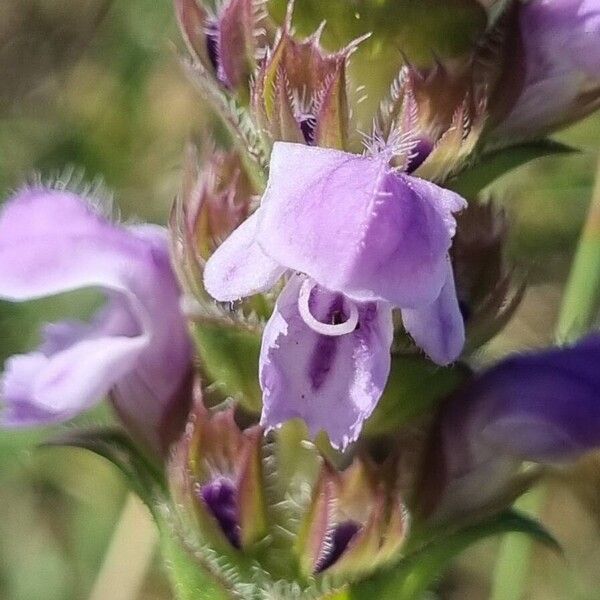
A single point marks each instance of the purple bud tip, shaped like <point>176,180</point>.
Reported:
<point>308,124</point>
<point>212,45</point>
<point>220,498</point>
<point>341,537</point>
<point>421,151</point>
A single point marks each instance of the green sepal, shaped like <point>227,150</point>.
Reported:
<point>492,165</point>
<point>412,577</point>
<point>142,475</point>
<point>189,579</point>
<point>415,385</point>
<point>229,352</point>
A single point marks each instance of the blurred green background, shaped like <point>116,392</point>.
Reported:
<point>91,90</point>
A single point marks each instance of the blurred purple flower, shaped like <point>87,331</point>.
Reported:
<point>560,68</point>
<point>363,239</point>
<point>542,407</point>
<point>136,347</point>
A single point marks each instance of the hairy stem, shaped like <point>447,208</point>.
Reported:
<point>579,309</point>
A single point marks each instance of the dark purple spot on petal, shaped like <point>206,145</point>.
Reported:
<point>322,360</point>
<point>325,350</point>
<point>341,537</point>
<point>220,497</point>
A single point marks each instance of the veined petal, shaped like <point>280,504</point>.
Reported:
<point>355,226</point>
<point>137,346</point>
<point>239,267</point>
<point>438,328</point>
<point>332,383</point>
<point>445,201</point>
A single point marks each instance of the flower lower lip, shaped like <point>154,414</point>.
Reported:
<point>348,326</point>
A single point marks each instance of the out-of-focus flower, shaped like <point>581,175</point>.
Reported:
<point>364,238</point>
<point>300,91</point>
<point>354,525</point>
<point>216,473</point>
<point>554,64</point>
<point>136,347</point>
<point>540,407</point>
<point>226,41</point>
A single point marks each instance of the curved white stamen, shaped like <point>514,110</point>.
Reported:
<point>347,326</point>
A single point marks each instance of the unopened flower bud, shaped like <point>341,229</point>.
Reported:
<point>300,91</point>
<point>355,524</point>
<point>437,116</point>
<point>552,68</point>
<point>216,474</point>
<point>215,199</point>
<point>226,41</point>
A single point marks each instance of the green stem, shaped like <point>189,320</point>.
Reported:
<point>579,309</point>
<point>512,563</point>
<point>581,298</point>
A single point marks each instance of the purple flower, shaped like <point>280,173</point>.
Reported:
<point>542,407</point>
<point>560,72</point>
<point>362,239</point>
<point>136,346</point>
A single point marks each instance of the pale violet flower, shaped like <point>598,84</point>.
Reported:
<point>559,66</point>
<point>136,347</point>
<point>358,239</point>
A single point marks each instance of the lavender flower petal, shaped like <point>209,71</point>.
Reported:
<point>355,226</point>
<point>561,61</point>
<point>333,383</point>
<point>137,346</point>
<point>438,328</point>
<point>239,267</point>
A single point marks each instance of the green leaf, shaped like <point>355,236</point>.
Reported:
<point>492,165</point>
<point>410,579</point>
<point>229,354</point>
<point>414,386</point>
<point>144,478</point>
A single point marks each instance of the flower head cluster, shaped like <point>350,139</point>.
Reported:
<point>325,291</point>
